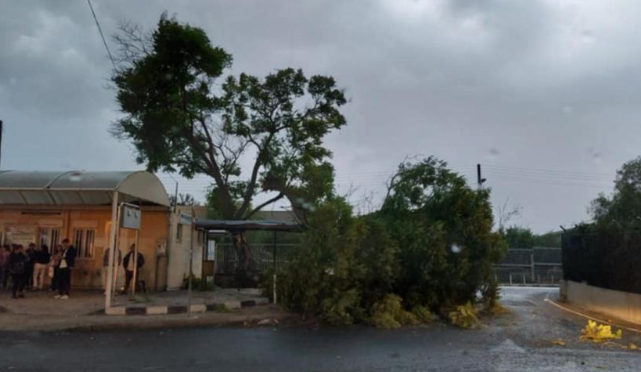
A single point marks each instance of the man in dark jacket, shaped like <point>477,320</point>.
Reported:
<point>128,264</point>
<point>67,262</point>
<point>17,268</point>
<point>31,260</point>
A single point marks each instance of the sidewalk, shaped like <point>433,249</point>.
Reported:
<point>85,310</point>
<point>91,302</point>
<point>260,315</point>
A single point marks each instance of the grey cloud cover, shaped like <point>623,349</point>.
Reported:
<point>545,94</point>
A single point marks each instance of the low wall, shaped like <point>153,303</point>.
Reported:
<point>622,305</point>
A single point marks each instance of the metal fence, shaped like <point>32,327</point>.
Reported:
<point>538,265</point>
<point>266,256</point>
<point>606,259</point>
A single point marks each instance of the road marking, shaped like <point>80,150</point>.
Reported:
<point>508,346</point>
<point>590,317</point>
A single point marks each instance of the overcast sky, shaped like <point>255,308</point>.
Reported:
<point>545,94</point>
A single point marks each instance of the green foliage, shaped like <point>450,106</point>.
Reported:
<point>621,210</point>
<point>464,316</point>
<point>549,239</point>
<point>519,237</point>
<point>390,314</point>
<point>429,248</point>
<point>444,231</point>
<point>424,315</point>
<point>180,117</point>
<point>340,307</point>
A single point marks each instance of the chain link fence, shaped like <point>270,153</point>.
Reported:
<point>268,251</point>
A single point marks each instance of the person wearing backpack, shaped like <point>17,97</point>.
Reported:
<point>18,261</point>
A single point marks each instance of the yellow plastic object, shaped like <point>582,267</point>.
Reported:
<point>599,333</point>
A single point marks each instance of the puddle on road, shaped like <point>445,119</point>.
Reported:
<point>518,303</point>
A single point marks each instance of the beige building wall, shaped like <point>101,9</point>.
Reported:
<point>27,224</point>
<point>180,246</point>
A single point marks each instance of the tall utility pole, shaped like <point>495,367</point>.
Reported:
<point>1,130</point>
<point>479,179</point>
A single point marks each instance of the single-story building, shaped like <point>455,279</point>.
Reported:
<point>46,207</point>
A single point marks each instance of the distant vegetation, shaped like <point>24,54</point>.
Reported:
<point>522,237</point>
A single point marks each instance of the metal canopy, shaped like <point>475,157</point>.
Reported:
<point>80,188</point>
<point>234,226</point>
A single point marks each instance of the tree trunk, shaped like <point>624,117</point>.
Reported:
<point>247,265</point>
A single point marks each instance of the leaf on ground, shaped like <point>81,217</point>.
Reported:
<point>559,342</point>
<point>632,346</point>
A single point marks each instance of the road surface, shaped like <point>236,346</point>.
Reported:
<point>520,341</point>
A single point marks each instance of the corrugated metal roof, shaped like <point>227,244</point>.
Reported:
<point>229,225</point>
<point>79,188</point>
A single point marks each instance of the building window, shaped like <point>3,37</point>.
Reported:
<point>210,254</point>
<point>50,237</point>
<point>83,241</point>
<point>179,232</point>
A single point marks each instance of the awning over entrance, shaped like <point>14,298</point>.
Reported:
<point>233,226</point>
<point>80,188</point>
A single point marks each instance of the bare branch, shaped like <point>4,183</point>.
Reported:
<point>268,202</point>
<point>506,212</point>
<point>133,43</point>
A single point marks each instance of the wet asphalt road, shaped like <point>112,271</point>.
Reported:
<point>520,341</point>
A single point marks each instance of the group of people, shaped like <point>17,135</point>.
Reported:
<point>27,269</point>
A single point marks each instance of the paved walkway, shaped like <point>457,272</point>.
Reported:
<point>39,311</point>
<point>86,302</point>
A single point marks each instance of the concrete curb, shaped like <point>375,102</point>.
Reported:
<point>183,309</point>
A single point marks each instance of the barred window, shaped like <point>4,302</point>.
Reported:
<point>83,240</point>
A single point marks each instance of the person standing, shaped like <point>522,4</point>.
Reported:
<point>41,258</point>
<point>17,268</point>
<point>128,264</point>
<point>105,267</point>
<point>67,262</point>
<point>5,251</point>
<point>31,259</point>
<point>54,263</point>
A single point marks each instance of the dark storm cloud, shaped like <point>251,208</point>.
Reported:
<point>526,88</point>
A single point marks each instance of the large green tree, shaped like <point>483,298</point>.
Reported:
<point>444,231</point>
<point>622,209</point>
<point>182,118</point>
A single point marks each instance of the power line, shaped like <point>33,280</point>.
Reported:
<point>548,177</point>
<point>549,171</point>
<point>104,41</point>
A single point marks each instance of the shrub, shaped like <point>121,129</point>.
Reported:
<point>424,315</point>
<point>389,313</point>
<point>464,316</point>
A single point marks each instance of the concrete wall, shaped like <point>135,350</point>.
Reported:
<point>621,305</point>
